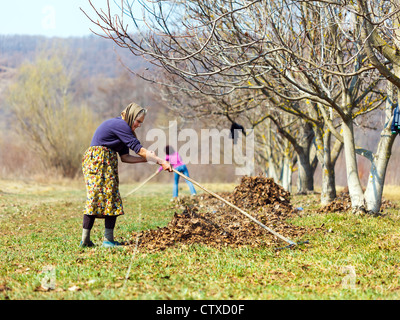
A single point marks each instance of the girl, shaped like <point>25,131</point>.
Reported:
<point>100,169</point>
<point>175,160</point>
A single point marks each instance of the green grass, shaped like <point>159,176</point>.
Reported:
<point>40,228</point>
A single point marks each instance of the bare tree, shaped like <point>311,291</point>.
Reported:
<point>40,100</point>
<point>371,25</point>
<point>296,50</point>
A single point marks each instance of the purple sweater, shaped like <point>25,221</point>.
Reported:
<point>116,134</point>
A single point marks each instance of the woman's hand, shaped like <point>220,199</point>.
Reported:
<point>166,166</point>
<point>150,156</point>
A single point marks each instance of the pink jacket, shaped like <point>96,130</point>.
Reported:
<point>174,159</point>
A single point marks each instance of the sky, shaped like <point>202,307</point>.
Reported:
<point>51,18</point>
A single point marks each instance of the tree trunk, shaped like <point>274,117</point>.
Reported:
<point>376,179</point>
<point>305,181</point>
<point>353,180</point>
<point>302,146</point>
<point>287,170</point>
<point>373,193</point>
<point>272,170</point>
<point>328,193</point>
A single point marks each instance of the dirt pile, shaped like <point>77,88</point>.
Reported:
<point>207,220</point>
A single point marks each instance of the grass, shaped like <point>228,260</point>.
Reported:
<point>349,256</point>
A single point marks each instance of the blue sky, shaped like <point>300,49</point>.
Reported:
<point>60,18</point>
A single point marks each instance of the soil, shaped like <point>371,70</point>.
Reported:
<point>204,219</point>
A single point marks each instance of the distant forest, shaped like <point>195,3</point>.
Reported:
<point>97,55</point>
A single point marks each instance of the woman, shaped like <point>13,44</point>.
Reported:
<point>175,160</point>
<point>100,169</point>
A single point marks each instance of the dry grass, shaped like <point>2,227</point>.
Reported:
<point>391,193</point>
<point>38,186</point>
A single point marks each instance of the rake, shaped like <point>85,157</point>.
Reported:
<point>143,183</point>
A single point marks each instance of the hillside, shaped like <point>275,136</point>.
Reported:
<point>97,55</point>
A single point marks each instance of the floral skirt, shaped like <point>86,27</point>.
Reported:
<point>100,170</point>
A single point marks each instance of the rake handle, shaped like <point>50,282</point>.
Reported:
<point>143,183</point>
<point>235,207</point>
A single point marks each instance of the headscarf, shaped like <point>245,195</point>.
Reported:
<point>131,113</point>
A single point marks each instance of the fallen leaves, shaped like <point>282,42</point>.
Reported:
<point>4,287</point>
<point>258,191</point>
<point>44,288</point>
<point>207,220</point>
<point>342,203</point>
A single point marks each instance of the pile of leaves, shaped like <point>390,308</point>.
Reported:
<point>342,203</point>
<point>205,219</point>
<point>257,192</point>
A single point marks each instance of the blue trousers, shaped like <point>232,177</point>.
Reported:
<point>182,169</point>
